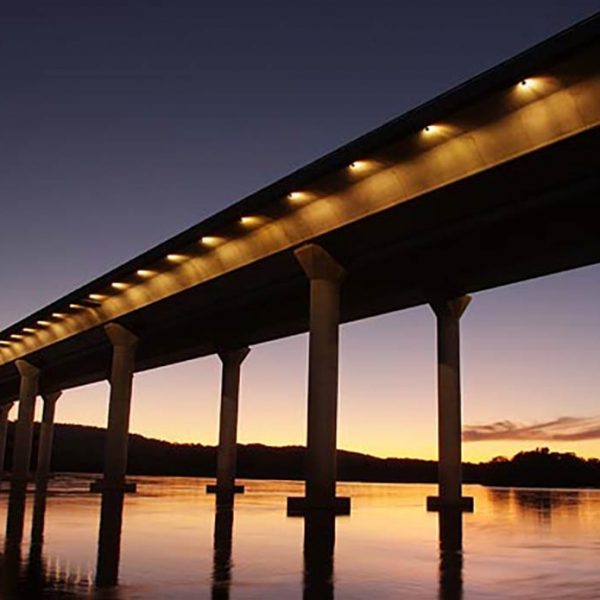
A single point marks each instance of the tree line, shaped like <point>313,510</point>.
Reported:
<point>80,449</point>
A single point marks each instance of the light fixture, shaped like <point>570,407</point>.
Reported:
<point>16,336</point>
<point>252,221</point>
<point>76,306</point>
<point>28,330</point>
<point>97,297</point>
<point>144,273</point>
<point>44,323</point>
<point>360,165</point>
<point>59,315</point>
<point>119,285</point>
<point>298,197</point>
<point>210,240</point>
<point>4,343</point>
<point>176,257</point>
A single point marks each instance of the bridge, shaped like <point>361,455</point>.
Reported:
<point>491,183</point>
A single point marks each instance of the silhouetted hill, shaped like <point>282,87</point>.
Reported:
<point>541,468</point>
<point>80,448</point>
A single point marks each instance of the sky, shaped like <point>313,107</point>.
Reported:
<point>124,122</point>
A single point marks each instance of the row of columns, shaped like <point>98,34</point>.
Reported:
<point>24,429</point>
<point>325,276</point>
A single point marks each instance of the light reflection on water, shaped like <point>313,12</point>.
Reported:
<point>167,541</point>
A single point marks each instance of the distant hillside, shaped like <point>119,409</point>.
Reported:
<point>80,448</point>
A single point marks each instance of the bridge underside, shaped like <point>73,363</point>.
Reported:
<point>532,216</point>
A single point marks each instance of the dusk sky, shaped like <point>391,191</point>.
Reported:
<point>122,123</point>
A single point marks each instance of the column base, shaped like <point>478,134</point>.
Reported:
<point>435,504</point>
<point>300,506</point>
<point>128,487</point>
<point>214,489</point>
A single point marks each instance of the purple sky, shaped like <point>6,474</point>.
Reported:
<point>124,122</point>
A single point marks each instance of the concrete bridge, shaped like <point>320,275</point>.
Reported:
<point>492,183</point>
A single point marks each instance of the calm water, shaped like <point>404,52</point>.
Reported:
<point>172,544</point>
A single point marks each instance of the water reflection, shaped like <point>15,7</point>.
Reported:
<point>222,542</point>
<point>507,541</point>
<point>109,539</point>
<point>451,554</point>
<point>319,544</point>
<point>16,513</point>
<point>543,502</point>
<point>36,568</point>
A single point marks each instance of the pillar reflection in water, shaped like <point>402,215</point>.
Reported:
<point>222,542</point>
<point>11,563</point>
<point>36,571</point>
<point>451,554</point>
<point>319,544</point>
<point>109,538</point>
<point>16,512</point>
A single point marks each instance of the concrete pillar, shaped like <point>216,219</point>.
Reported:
<point>4,411</point>
<point>227,451</point>
<point>46,439</point>
<point>325,276</point>
<point>448,313</point>
<point>24,429</point>
<point>117,433</point>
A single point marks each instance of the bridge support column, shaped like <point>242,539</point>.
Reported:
<point>117,433</point>
<point>24,430</point>
<point>448,315</point>
<point>227,452</point>
<point>46,439</point>
<point>4,410</point>
<point>325,276</point>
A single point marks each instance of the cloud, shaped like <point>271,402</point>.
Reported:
<point>561,429</point>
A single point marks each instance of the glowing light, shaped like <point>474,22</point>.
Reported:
<point>298,197</point>
<point>44,323</point>
<point>144,273</point>
<point>4,343</point>
<point>16,336</point>
<point>252,221</point>
<point>28,330</point>
<point>430,129</point>
<point>360,166</point>
<point>210,241</point>
<point>59,315</point>
<point>118,285</point>
<point>97,297</point>
<point>176,257</point>
<point>525,83</point>
<point>76,306</point>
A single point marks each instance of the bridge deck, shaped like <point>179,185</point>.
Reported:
<point>500,189</point>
